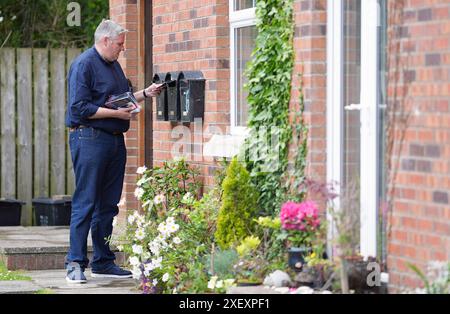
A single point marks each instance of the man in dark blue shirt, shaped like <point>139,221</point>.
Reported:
<point>98,150</point>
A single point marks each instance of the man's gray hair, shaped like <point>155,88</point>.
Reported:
<point>108,28</point>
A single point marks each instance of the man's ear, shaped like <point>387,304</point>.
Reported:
<point>105,41</point>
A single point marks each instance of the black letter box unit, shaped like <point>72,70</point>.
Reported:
<point>161,99</point>
<point>54,211</point>
<point>184,97</point>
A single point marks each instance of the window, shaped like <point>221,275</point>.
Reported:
<point>242,36</point>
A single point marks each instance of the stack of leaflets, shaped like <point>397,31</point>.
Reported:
<point>125,100</point>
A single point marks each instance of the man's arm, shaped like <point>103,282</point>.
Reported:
<point>151,91</point>
<point>121,113</point>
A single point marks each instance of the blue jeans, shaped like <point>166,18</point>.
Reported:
<point>98,161</point>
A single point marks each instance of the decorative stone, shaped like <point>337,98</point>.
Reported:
<point>305,278</point>
<point>304,290</point>
<point>283,290</point>
<point>278,279</point>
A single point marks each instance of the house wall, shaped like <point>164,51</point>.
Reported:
<point>194,35</point>
<point>419,55</point>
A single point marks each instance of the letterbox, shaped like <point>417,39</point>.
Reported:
<point>173,96</point>
<point>192,95</point>
<point>161,99</point>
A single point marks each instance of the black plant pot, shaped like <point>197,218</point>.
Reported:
<point>297,257</point>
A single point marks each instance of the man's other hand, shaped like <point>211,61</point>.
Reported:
<point>125,113</point>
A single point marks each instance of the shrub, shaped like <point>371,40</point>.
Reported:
<point>239,206</point>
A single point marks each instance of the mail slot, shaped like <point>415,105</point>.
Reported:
<point>173,96</point>
<point>161,99</point>
<point>192,95</point>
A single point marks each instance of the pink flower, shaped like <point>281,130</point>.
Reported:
<point>299,216</point>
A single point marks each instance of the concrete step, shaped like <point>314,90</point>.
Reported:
<point>39,248</point>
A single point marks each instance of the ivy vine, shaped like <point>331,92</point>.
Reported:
<point>269,92</point>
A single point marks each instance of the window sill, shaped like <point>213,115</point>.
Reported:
<point>226,146</point>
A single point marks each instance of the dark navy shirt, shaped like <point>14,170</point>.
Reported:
<point>91,80</point>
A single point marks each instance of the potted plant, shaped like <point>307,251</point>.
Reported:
<point>300,222</point>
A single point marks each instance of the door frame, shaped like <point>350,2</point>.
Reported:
<point>370,13</point>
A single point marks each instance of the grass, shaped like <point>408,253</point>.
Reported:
<point>45,291</point>
<point>7,275</point>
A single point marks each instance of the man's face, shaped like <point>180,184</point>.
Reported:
<point>115,46</point>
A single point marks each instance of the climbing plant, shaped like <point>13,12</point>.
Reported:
<point>269,91</point>
<point>295,178</point>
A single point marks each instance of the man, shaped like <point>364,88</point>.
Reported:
<point>98,150</point>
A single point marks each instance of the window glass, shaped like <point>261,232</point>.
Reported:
<point>244,44</point>
<point>244,4</point>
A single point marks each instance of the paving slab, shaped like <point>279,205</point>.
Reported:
<point>55,282</point>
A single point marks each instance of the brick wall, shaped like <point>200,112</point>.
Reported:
<point>310,61</point>
<point>193,35</point>
<point>419,52</point>
<point>125,12</point>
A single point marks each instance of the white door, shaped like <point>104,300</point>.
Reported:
<point>353,119</point>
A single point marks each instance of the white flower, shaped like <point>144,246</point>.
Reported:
<point>229,282</point>
<point>131,219</point>
<point>165,277</point>
<point>148,268</point>
<point>173,228</point>
<point>140,234</point>
<point>136,272</point>
<point>137,249</point>
<point>1,19</point>
<point>179,158</point>
<point>120,248</point>
<point>140,221</point>
<point>219,284</point>
<point>155,282</point>
<point>141,170</point>
<point>134,261</point>
<point>187,198</point>
<point>170,220</point>
<point>13,18</point>
<point>162,228</point>
<point>176,240</point>
<point>157,262</point>
<point>138,193</point>
<point>154,247</point>
<point>159,199</point>
<point>212,282</point>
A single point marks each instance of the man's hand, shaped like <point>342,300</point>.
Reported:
<point>125,113</point>
<point>154,89</point>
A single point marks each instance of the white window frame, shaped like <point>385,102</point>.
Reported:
<point>238,19</point>
<point>368,107</point>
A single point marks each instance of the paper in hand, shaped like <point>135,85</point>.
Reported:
<point>125,100</point>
